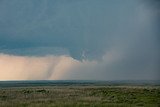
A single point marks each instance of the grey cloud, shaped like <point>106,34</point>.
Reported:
<point>121,36</point>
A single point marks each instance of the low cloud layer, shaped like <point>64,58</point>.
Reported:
<point>34,68</point>
<point>65,67</point>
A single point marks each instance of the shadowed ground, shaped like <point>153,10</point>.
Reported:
<point>80,96</point>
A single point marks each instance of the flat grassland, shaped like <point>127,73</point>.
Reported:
<point>80,96</point>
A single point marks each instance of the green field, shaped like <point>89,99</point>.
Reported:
<point>80,96</point>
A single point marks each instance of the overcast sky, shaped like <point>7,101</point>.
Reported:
<point>80,39</point>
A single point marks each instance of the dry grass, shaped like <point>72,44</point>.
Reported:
<point>80,96</point>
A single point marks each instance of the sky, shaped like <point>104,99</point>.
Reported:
<point>79,40</point>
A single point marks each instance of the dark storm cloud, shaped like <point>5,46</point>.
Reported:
<point>122,36</point>
<point>75,25</point>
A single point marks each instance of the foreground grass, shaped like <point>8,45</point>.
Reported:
<point>80,96</point>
